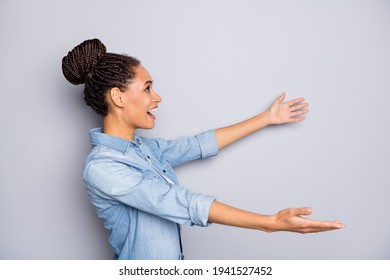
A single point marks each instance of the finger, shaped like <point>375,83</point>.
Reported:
<point>299,106</point>
<point>337,222</point>
<point>295,101</point>
<point>317,226</point>
<point>332,225</point>
<point>299,119</point>
<point>281,97</point>
<point>298,113</point>
<point>303,211</point>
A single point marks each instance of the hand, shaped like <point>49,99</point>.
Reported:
<point>290,220</point>
<point>287,112</point>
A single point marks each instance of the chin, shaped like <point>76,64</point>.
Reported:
<point>149,126</point>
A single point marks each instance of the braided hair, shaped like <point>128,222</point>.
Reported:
<point>90,63</point>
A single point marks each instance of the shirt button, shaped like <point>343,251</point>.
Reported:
<point>164,171</point>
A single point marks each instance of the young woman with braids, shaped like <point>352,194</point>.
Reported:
<point>130,179</point>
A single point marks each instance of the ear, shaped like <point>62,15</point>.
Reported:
<point>116,96</point>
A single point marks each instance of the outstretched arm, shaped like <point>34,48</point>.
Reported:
<point>278,113</point>
<point>289,219</point>
<point>286,220</point>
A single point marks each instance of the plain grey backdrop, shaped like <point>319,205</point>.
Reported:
<point>214,63</point>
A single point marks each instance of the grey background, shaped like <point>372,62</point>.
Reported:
<point>214,63</point>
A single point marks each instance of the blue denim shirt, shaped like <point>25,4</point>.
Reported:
<point>135,191</point>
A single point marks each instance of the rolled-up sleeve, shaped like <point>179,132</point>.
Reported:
<point>188,148</point>
<point>142,190</point>
<point>208,143</point>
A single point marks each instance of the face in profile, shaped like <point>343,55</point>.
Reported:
<point>140,100</point>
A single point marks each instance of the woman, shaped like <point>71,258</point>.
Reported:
<point>130,179</point>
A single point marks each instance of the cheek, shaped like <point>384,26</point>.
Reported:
<point>138,104</point>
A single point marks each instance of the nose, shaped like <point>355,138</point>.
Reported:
<point>156,98</point>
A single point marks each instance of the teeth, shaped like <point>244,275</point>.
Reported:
<point>152,110</point>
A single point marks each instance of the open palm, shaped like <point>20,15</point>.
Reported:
<point>287,112</point>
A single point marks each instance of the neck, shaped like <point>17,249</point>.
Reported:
<point>117,127</point>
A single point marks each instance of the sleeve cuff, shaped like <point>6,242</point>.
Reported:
<point>208,143</point>
<point>199,209</point>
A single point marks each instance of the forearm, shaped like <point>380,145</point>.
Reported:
<point>230,134</point>
<point>286,220</point>
<point>227,215</point>
<point>278,113</point>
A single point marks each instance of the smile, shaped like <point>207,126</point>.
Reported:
<point>149,112</point>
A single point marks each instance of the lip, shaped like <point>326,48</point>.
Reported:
<point>152,109</point>
<point>150,114</point>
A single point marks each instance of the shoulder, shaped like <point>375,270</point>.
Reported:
<point>112,175</point>
<point>151,142</point>
<point>103,161</point>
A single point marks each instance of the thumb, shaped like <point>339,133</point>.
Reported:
<point>281,98</point>
<point>304,211</point>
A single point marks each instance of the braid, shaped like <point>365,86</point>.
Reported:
<point>89,63</point>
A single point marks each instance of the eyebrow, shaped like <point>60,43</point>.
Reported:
<point>148,82</point>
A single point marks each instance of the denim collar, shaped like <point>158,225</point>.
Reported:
<point>119,144</point>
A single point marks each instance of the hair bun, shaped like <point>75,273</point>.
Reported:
<point>81,60</point>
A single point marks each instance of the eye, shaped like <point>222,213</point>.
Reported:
<point>147,89</point>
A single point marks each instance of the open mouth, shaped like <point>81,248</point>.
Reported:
<point>149,112</point>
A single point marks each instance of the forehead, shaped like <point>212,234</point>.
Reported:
<point>142,75</point>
